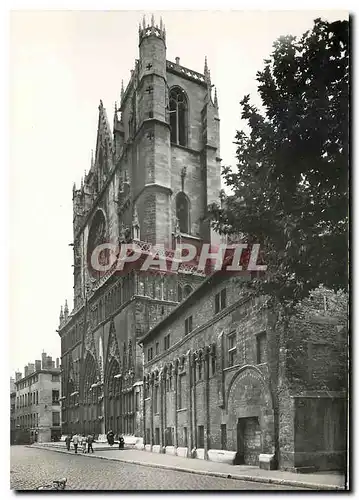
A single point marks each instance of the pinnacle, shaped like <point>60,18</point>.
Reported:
<point>152,25</point>
<point>215,98</point>
<point>122,91</point>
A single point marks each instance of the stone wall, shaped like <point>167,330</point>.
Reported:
<point>229,393</point>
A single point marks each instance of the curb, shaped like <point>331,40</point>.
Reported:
<point>223,475</point>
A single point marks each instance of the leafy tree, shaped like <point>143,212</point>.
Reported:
<point>290,186</point>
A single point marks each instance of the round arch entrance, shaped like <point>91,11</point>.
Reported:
<point>250,424</point>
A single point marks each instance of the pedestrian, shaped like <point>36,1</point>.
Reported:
<point>89,443</point>
<point>75,440</point>
<point>68,442</point>
<point>83,442</point>
<point>110,437</point>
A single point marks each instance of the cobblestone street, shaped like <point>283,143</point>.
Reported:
<point>31,468</point>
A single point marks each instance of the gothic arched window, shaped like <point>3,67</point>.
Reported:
<point>182,212</point>
<point>178,116</point>
<point>97,236</point>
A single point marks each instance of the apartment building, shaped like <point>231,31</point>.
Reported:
<point>37,406</point>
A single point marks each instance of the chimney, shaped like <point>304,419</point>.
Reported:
<point>52,364</point>
<point>177,60</point>
<point>57,363</point>
<point>48,361</point>
<point>18,376</point>
<point>31,368</point>
<point>43,360</point>
<point>38,365</point>
<point>26,370</point>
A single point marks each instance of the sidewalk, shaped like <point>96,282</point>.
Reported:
<point>316,481</point>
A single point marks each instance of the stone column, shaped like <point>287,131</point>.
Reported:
<point>151,412</point>
<point>114,413</point>
<point>164,407</point>
<point>122,400</point>
<point>144,410</point>
<point>205,359</point>
<point>194,412</point>
<point>102,409</point>
<point>190,381</point>
<point>176,404</point>
<point>161,381</point>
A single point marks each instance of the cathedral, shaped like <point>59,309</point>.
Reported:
<point>151,179</point>
<point>190,364</point>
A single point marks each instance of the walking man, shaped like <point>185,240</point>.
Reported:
<point>89,443</point>
<point>68,442</point>
<point>75,440</point>
<point>83,443</point>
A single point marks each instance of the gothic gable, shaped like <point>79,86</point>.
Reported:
<point>104,145</point>
<point>113,351</point>
<point>90,344</point>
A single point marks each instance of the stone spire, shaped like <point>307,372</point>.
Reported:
<point>215,102</point>
<point>151,29</point>
<point>61,315</point>
<point>206,72</point>
<point>66,310</point>
<point>122,91</point>
<point>92,159</point>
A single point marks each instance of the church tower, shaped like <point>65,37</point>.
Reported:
<point>150,180</point>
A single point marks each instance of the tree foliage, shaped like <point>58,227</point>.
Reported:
<point>290,185</point>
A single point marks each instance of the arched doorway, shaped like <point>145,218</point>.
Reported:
<point>91,395</point>
<point>113,397</point>
<point>250,424</point>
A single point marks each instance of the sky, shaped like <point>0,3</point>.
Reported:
<point>61,64</point>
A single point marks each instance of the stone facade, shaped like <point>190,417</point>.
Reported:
<point>37,410</point>
<point>150,181</point>
<point>235,382</point>
<point>12,410</point>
